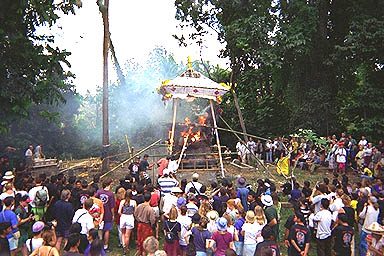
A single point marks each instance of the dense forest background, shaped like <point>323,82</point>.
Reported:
<point>312,64</point>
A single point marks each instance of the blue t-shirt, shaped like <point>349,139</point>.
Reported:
<point>238,226</point>
<point>199,238</point>
<point>87,251</point>
<point>295,194</point>
<point>63,214</point>
<point>9,216</point>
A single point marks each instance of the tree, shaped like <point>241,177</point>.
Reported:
<point>31,69</point>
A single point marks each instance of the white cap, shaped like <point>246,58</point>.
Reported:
<point>195,176</point>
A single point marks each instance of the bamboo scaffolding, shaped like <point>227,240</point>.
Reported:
<point>128,145</point>
<point>217,139</point>
<point>129,159</point>
<point>171,140</point>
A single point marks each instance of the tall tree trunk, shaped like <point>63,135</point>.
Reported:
<point>105,88</point>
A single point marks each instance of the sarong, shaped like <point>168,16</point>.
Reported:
<point>144,230</point>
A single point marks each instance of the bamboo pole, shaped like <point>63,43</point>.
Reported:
<point>128,145</point>
<point>129,159</point>
<point>217,139</point>
<point>171,140</point>
<point>182,151</point>
<point>237,132</point>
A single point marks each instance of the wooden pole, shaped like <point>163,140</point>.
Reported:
<point>171,140</point>
<point>105,15</point>
<point>128,145</point>
<point>182,151</point>
<point>217,138</point>
<point>237,105</point>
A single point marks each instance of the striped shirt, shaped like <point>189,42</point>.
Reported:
<point>166,184</point>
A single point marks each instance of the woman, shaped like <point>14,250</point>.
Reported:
<point>252,234</point>
<point>232,209</point>
<point>359,158</point>
<point>370,214</point>
<point>200,236</point>
<point>151,245</point>
<point>120,194</point>
<point>48,248</point>
<point>204,208</point>
<point>93,235</point>
<point>223,239</point>
<point>230,227</point>
<point>127,221</point>
<point>238,237</point>
<point>172,231</point>
<point>36,241</point>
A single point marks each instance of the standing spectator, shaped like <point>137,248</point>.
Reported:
<point>238,237</point>
<point>268,151</point>
<point>185,223</point>
<point>93,236</point>
<point>299,237</point>
<point>251,149</point>
<point>134,168</point>
<point>259,149</point>
<point>166,183</point>
<point>370,214</point>
<point>268,246</point>
<point>24,221</point>
<point>7,215</point>
<point>343,235</point>
<point>39,152</point>
<point>40,198</point>
<point>363,142</point>
<point>251,233</point>
<point>151,245</point>
<point>5,230</point>
<point>222,238</point>
<point>144,165</point>
<point>191,206</point>
<point>108,199</point>
<point>241,151</point>
<point>146,218</point>
<point>36,241</point>
<point>120,195</point>
<point>63,210</point>
<point>48,247</point>
<point>162,164</point>
<point>172,231</point>
<point>270,212</point>
<point>341,157</point>
<point>97,209</point>
<point>323,234</point>
<point>29,157</point>
<point>83,217</point>
<point>242,192</point>
<point>127,220</point>
<point>200,236</point>
<point>73,243</point>
<point>194,184</point>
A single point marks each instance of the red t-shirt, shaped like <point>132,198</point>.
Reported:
<point>155,197</point>
<point>163,163</point>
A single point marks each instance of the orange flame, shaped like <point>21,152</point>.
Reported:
<point>202,120</point>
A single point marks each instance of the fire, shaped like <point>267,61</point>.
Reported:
<point>202,120</point>
<point>187,121</point>
<point>189,134</point>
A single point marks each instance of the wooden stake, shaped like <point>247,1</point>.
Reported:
<point>182,151</point>
<point>128,145</point>
<point>237,105</point>
<point>171,140</point>
<point>217,138</point>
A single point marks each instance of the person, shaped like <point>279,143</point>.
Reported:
<point>241,151</point>
<point>324,221</point>
<point>251,231</point>
<point>146,218</point>
<point>185,223</point>
<point>134,168</point>
<point>7,215</point>
<point>39,198</point>
<point>93,235</point>
<point>127,220</point>
<point>97,209</point>
<point>63,210</point>
<point>49,242</point>
<point>200,236</point>
<point>172,231</point>
<point>194,184</point>
<point>370,214</point>
<point>24,221</point>
<point>151,245</point>
<point>270,212</point>
<point>29,157</point>
<point>268,151</point>
<point>73,243</point>
<point>83,217</point>
<point>108,199</point>
<point>238,237</point>
<point>191,206</point>
<point>341,157</point>
<point>222,238</point>
<point>268,246</point>
<point>242,192</point>
<point>96,248</point>
<point>299,237</point>
<point>144,165</point>
<point>166,183</point>
<point>36,241</point>
<point>343,234</point>
<point>162,164</point>
<point>39,152</point>
<point>5,230</point>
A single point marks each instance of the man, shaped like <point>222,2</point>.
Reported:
<point>144,165</point>
<point>166,183</point>
<point>24,217</point>
<point>73,243</point>
<point>241,151</point>
<point>39,152</point>
<point>194,184</point>
<point>5,230</point>
<point>97,209</point>
<point>39,199</point>
<point>341,157</point>
<point>8,215</point>
<point>252,149</point>
<point>108,199</point>
<point>134,168</point>
<point>299,237</point>
<point>343,235</point>
<point>191,206</point>
<point>170,199</point>
<point>321,190</point>
<point>268,245</point>
<point>29,157</point>
<point>83,217</point>
<point>324,221</point>
<point>146,219</point>
<point>83,194</point>
<point>271,214</point>
<point>63,210</point>
<point>162,164</point>
<point>363,142</point>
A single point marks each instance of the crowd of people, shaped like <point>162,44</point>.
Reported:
<point>65,215</point>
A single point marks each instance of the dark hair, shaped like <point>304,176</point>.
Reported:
<point>53,179</point>
<point>183,210</point>
<point>94,233</point>
<point>267,232</point>
<point>149,187</point>
<point>8,201</point>
<point>213,185</point>
<point>326,181</point>
<point>203,189</point>
<point>354,196</point>
<point>146,155</point>
<point>72,180</point>
<point>4,226</point>
<point>343,217</point>
<point>307,184</point>
<point>325,203</point>
<point>88,203</point>
<point>73,239</point>
<point>75,228</point>
<point>92,190</point>
<point>230,252</point>
<point>96,247</point>
<point>84,184</point>
<point>147,197</point>
<point>107,182</point>
<point>96,178</point>
<point>300,216</point>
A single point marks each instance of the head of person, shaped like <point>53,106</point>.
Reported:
<point>96,247</point>
<point>299,217</point>
<point>84,184</point>
<point>96,178</point>
<point>147,197</point>
<point>65,195</point>
<point>151,245</point>
<point>37,227</point>
<point>107,183</point>
<point>230,252</point>
<point>75,228</point>
<point>93,234</point>
<point>88,203</point>
<point>5,228</point>
<point>259,215</point>
<point>221,224</point>
<point>74,240</point>
<point>250,217</point>
<point>9,202</point>
<point>203,223</point>
<point>342,217</point>
<point>120,193</point>
<point>267,233</point>
<point>49,237</point>
<point>324,203</point>
<point>195,177</point>
<point>173,213</point>
<point>228,218</point>
<point>145,157</point>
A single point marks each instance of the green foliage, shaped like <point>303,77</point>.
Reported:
<point>31,69</point>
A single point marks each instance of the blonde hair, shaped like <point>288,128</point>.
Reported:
<point>250,217</point>
<point>120,195</point>
<point>346,200</point>
<point>228,218</point>
<point>205,207</point>
<point>151,244</point>
<point>259,215</point>
<point>173,213</point>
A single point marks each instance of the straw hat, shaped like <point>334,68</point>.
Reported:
<point>212,215</point>
<point>267,200</point>
<point>375,228</point>
<point>8,175</point>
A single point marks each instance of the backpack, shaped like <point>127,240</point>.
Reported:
<point>170,237</point>
<point>41,198</point>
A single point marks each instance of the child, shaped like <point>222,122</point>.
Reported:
<point>299,237</point>
<point>268,244</point>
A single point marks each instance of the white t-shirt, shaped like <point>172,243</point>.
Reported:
<point>369,215</point>
<point>317,202</point>
<point>252,233</point>
<point>5,195</point>
<point>185,223</point>
<point>193,184</point>
<point>324,220</point>
<point>341,155</point>
<point>36,243</point>
<point>169,200</point>
<point>32,194</point>
<point>28,153</point>
<point>85,219</point>
<point>363,143</point>
<point>335,207</point>
<point>192,209</point>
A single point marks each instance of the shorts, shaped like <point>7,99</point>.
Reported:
<point>157,211</point>
<point>62,233</point>
<point>183,248</point>
<point>127,221</point>
<point>13,243</point>
<point>108,226</point>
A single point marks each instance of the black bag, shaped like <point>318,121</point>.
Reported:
<point>191,248</point>
<point>170,237</point>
